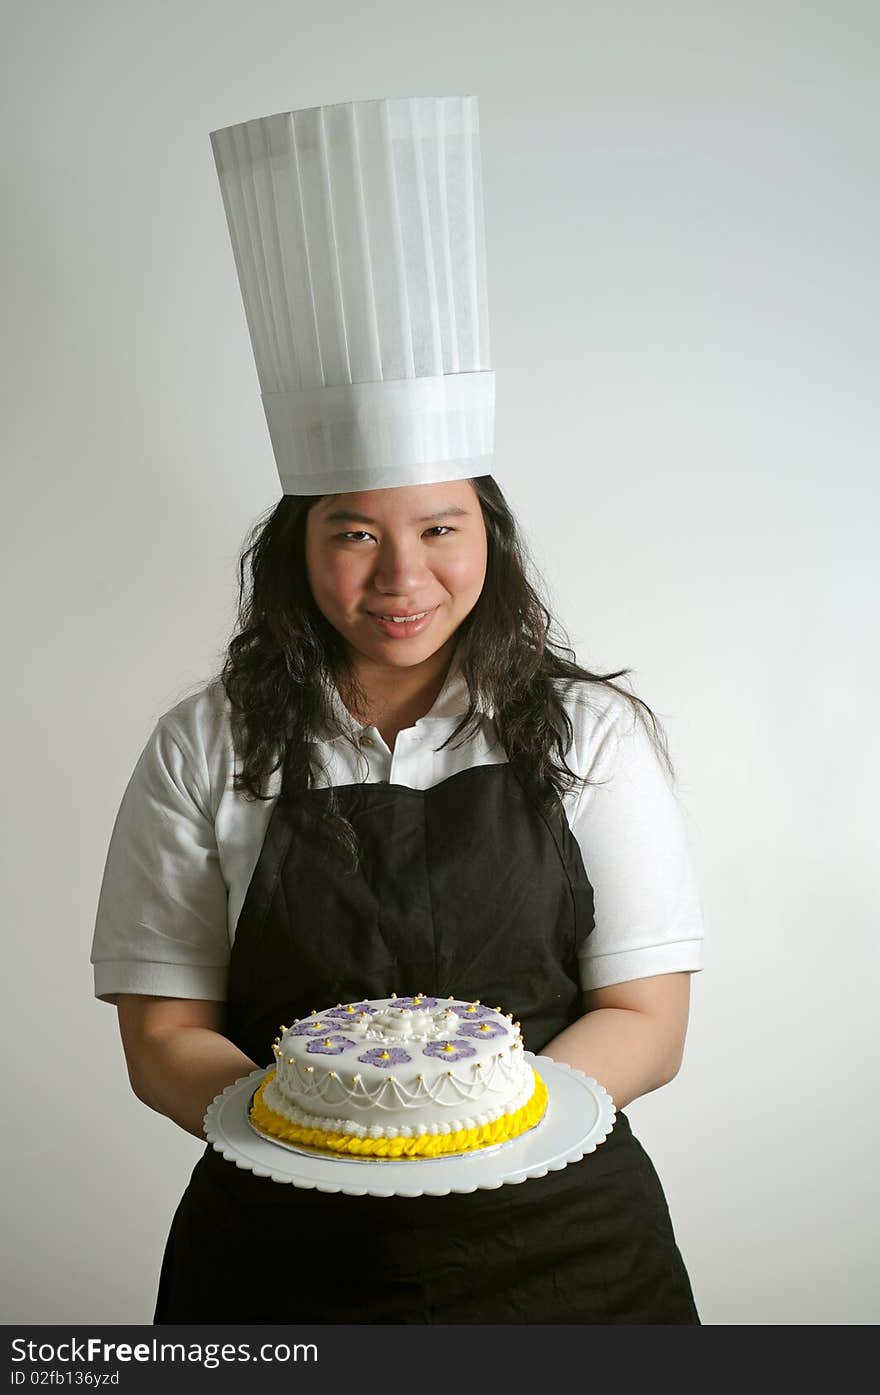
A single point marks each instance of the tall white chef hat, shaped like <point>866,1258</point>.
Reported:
<point>359,242</point>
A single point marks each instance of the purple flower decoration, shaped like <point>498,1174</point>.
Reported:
<point>357,1008</point>
<point>385,1056</point>
<point>415,1002</point>
<point>315,1027</point>
<point>331,1045</point>
<point>471,1012</point>
<point>455,1050</point>
<point>488,1030</point>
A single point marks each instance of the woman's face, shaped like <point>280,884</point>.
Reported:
<point>394,553</point>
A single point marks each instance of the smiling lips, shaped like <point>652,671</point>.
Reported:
<point>403,619</point>
<point>402,626</point>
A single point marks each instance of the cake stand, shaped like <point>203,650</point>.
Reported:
<point>580,1115</point>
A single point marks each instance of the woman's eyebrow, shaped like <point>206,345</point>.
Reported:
<point>345,516</point>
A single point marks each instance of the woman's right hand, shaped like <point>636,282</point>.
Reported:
<point>177,1056</point>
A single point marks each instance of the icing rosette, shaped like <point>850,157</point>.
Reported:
<point>385,1057</point>
<point>454,1050</point>
<point>312,1028</point>
<point>333,1045</point>
<point>483,1031</point>
<point>351,1010</point>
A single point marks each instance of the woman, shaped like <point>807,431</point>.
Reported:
<point>367,802</point>
<point>497,904</point>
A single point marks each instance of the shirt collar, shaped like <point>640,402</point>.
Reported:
<point>450,702</point>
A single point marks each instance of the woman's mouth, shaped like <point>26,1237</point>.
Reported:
<point>403,626</point>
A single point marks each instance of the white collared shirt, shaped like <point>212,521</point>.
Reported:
<point>185,843</point>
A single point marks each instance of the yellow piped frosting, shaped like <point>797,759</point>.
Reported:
<point>421,1146</point>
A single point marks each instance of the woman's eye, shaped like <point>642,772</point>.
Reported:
<point>439,528</point>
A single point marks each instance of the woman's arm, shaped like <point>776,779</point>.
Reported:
<point>177,1056</point>
<point>632,1037</point>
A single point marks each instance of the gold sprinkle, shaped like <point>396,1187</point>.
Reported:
<point>332,1075</point>
<point>420,1077</point>
<point>449,1046</point>
<point>384,1056</point>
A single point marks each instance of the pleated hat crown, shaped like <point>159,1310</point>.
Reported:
<point>359,241</point>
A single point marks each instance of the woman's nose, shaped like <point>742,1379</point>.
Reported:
<point>399,568</point>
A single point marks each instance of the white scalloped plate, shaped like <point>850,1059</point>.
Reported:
<point>580,1115</point>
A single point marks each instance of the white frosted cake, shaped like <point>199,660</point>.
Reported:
<point>417,1077</point>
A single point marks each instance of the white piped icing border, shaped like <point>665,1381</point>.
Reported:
<point>276,1102</point>
<point>500,1074</point>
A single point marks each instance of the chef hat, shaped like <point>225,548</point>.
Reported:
<point>358,237</point>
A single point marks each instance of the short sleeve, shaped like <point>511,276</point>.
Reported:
<point>631,832</point>
<point>161,925</point>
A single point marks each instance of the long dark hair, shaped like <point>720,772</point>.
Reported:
<point>285,657</point>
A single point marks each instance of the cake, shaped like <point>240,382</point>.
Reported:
<point>416,1077</point>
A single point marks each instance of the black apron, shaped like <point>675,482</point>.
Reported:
<point>464,889</point>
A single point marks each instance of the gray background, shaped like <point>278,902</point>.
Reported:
<point>682,226</point>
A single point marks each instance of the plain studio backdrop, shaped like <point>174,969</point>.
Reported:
<point>682,228</point>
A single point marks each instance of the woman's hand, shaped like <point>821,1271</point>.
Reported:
<point>632,1037</point>
<point>177,1056</point>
